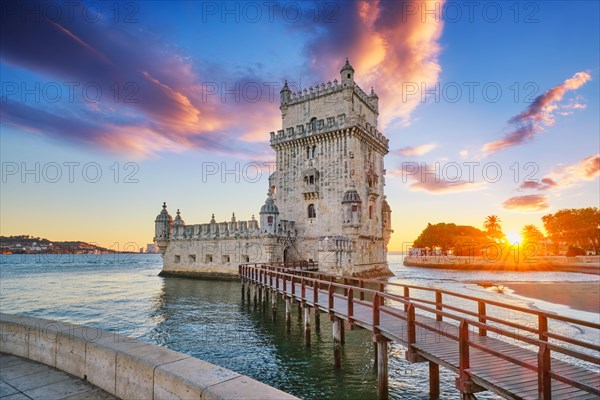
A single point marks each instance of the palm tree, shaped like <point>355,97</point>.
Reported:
<point>532,233</point>
<point>492,224</point>
<point>493,228</point>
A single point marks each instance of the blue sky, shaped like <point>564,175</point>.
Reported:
<point>138,90</point>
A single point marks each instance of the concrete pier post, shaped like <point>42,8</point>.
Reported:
<point>248,292</point>
<point>337,342</point>
<point>288,314</point>
<point>243,296</point>
<point>274,305</point>
<point>382,369</point>
<point>307,325</point>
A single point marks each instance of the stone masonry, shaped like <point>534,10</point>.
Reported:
<point>325,201</point>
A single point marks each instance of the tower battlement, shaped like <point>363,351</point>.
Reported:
<point>325,89</point>
<point>310,131</point>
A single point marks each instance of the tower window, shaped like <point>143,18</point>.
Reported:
<point>348,76</point>
<point>311,180</point>
<point>313,124</point>
<point>370,212</point>
<point>270,220</point>
<point>314,151</point>
<point>308,152</point>
<point>312,212</point>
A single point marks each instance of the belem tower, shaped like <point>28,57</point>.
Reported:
<point>325,202</point>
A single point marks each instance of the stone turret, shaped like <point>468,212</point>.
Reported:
<point>347,74</point>
<point>269,216</point>
<point>374,100</point>
<point>162,228</point>
<point>285,94</point>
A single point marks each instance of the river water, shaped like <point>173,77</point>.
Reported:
<point>209,320</point>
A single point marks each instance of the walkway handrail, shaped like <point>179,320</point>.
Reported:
<point>265,274</point>
<point>459,295</point>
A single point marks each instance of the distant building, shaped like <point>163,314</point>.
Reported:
<point>325,202</point>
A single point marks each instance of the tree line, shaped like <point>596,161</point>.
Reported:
<point>568,231</point>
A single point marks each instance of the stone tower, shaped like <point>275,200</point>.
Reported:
<point>330,175</point>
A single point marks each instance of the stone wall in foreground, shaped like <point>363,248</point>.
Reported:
<point>123,366</point>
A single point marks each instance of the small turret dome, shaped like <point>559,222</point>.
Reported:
<point>285,88</point>
<point>351,196</point>
<point>346,67</point>
<point>178,220</point>
<point>385,206</point>
<point>373,94</point>
<point>269,207</point>
<point>164,215</point>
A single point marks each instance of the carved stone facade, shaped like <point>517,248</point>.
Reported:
<point>325,202</point>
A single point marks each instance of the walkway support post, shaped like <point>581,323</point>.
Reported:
<point>274,305</point>
<point>288,314</point>
<point>381,344</point>
<point>317,319</point>
<point>434,380</point>
<point>337,342</point>
<point>306,325</point>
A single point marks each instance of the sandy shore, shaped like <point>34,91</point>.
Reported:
<point>583,296</point>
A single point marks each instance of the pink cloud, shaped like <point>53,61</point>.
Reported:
<point>416,150</point>
<point>428,178</point>
<point>539,114</point>
<point>563,177</point>
<point>527,203</point>
<point>392,45</point>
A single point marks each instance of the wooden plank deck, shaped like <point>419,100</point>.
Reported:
<point>437,341</point>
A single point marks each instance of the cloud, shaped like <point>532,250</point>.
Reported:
<point>153,97</point>
<point>566,176</point>
<point>539,114</point>
<point>527,203</point>
<point>416,150</point>
<point>432,179</point>
<point>393,46</point>
<point>544,184</point>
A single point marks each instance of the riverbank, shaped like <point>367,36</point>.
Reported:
<point>584,296</point>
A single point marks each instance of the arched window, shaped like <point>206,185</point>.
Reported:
<point>307,152</point>
<point>270,220</point>
<point>314,151</point>
<point>312,212</point>
<point>313,124</point>
<point>370,212</point>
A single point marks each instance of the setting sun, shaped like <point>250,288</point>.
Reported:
<point>514,237</point>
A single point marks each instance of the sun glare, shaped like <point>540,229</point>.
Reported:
<point>514,237</point>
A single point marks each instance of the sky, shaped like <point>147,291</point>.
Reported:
<point>110,108</point>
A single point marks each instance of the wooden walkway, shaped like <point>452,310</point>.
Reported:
<point>443,334</point>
